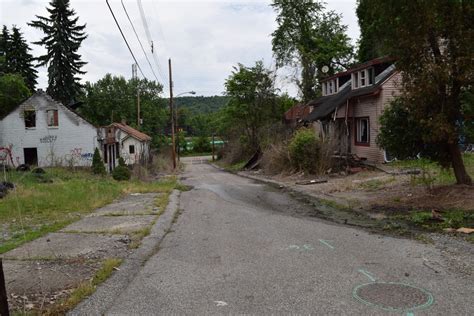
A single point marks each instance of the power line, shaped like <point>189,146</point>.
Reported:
<point>123,36</point>
<point>139,41</point>
<point>148,35</point>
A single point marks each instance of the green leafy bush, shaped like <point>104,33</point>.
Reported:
<point>121,172</point>
<point>304,149</point>
<point>97,163</point>
<point>201,145</point>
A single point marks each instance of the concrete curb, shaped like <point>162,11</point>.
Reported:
<point>105,295</point>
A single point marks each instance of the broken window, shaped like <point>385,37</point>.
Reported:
<point>362,78</point>
<point>371,76</point>
<point>131,149</point>
<point>362,131</point>
<point>355,80</point>
<point>30,118</point>
<point>52,117</point>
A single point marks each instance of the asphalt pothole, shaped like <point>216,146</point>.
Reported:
<point>393,296</point>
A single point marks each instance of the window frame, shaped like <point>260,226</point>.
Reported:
<point>357,133</point>
<point>33,120</point>
<point>355,80</point>
<point>362,78</point>
<point>55,118</point>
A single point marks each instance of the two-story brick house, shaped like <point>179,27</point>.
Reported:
<point>43,132</point>
<point>351,105</point>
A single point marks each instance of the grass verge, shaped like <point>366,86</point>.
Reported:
<point>40,205</point>
<point>432,173</point>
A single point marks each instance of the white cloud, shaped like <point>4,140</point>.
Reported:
<point>203,38</point>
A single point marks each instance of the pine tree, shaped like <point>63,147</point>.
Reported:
<point>18,59</point>
<point>97,163</point>
<point>4,38</point>
<point>63,37</point>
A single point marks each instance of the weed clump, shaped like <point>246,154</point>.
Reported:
<point>121,172</point>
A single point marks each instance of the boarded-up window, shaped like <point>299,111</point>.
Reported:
<point>30,118</point>
<point>52,117</point>
<point>362,131</point>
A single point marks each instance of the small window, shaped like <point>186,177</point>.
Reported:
<point>131,149</point>
<point>362,131</point>
<point>30,118</point>
<point>362,78</point>
<point>52,117</point>
<point>336,85</point>
<point>355,80</point>
<point>371,76</point>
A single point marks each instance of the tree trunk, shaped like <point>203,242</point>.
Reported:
<point>458,165</point>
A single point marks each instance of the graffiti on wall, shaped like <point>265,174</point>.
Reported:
<point>77,153</point>
<point>48,139</point>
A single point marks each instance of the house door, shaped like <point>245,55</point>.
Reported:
<point>31,156</point>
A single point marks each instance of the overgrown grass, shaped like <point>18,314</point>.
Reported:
<point>453,218</point>
<point>36,208</point>
<point>85,289</point>
<point>432,173</point>
<point>231,167</point>
<point>376,184</point>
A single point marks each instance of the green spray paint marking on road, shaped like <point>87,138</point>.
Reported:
<point>429,298</point>
<point>367,274</point>
<point>304,247</point>
<point>324,242</point>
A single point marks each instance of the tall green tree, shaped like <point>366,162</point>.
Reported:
<point>13,90</point>
<point>114,99</point>
<point>369,21</point>
<point>252,105</point>
<point>4,38</point>
<point>63,37</point>
<point>433,43</point>
<point>18,59</point>
<point>308,37</point>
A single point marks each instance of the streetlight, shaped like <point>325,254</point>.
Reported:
<point>176,120</point>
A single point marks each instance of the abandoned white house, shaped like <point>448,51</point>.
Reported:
<point>351,105</point>
<point>120,140</point>
<point>43,132</point>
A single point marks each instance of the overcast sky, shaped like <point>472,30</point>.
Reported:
<point>204,39</point>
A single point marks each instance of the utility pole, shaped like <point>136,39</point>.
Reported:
<point>138,107</point>
<point>173,147</point>
<point>213,149</point>
<point>3,293</point>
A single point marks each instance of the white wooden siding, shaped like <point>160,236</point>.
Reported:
<point>71,143</point>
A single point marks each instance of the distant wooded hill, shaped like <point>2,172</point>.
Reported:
<point>201,105</point>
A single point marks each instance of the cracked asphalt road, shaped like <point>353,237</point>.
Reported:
<point>236,248</point>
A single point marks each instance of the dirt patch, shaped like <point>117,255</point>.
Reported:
<point>371,189</point>
<point>38,284</point>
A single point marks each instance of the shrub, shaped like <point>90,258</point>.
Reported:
<point>201,145</point>
<point>121,172</point>
<point>97,163</point>
<point>276,158</point>
<point>304,149</point>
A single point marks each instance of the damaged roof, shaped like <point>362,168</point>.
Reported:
<point>132,132</point>
<point>328,104</point>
